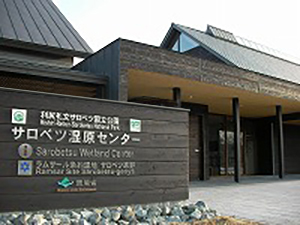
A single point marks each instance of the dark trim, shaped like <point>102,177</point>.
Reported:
<point>52,72</point>
<point>285,117</point>
<point>177,96</point>
<point>291,116</point>
<point>237,138</point>
<point>280,140</point>
<point>170,38</point>
<point>101,92</point>
<point>273,148</point>
<point>204,132</point>
<point>226,143</point>
<point>43,48</point>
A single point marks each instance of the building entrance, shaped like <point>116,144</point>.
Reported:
<point>226,153</point>
<point>221,147</point>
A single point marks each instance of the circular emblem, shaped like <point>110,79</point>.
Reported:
<point>19,116</point>
<point>25,151</point>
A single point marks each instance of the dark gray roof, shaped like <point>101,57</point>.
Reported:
<point>39,25</point>
<point>217,32</point>
<point>236,54</point>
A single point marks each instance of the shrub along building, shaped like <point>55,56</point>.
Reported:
<point>244,99</point>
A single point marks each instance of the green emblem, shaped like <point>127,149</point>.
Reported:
<point>19,116</point>
<point>65,182</point>
<point>135,125</point>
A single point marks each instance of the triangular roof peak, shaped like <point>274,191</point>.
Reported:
<point>239,52</point>
<point>39,26</point>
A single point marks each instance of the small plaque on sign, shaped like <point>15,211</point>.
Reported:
<point>76,185</point>
<point>25,168</point>
<point>18,116</point>
<point>135,125</point>
<point>25,151</point>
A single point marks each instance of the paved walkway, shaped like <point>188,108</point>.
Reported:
<point>264,199</point>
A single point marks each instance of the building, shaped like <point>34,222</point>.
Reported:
<point>210,73</point>
<point>37,47</point>
<point>244,98</point>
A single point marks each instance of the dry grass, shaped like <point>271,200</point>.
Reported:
<point>223,220</point>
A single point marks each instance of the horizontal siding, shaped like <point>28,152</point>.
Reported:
<point>159,157</point>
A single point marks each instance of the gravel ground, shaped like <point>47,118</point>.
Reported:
<point>160,214</point>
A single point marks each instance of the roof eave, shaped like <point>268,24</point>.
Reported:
<point>167,37</point>
<point>35,69</point>
<point>42,48</point>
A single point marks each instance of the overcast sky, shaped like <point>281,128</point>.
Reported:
<point>274,23</point>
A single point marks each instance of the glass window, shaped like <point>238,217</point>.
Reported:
<point>176,46</point>
<point>227,152</point>
<point>186,43</point>
<point>221,146</point>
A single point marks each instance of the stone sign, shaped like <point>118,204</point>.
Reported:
<point>67,152</point>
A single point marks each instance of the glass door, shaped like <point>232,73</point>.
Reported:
<point>226,152</point>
